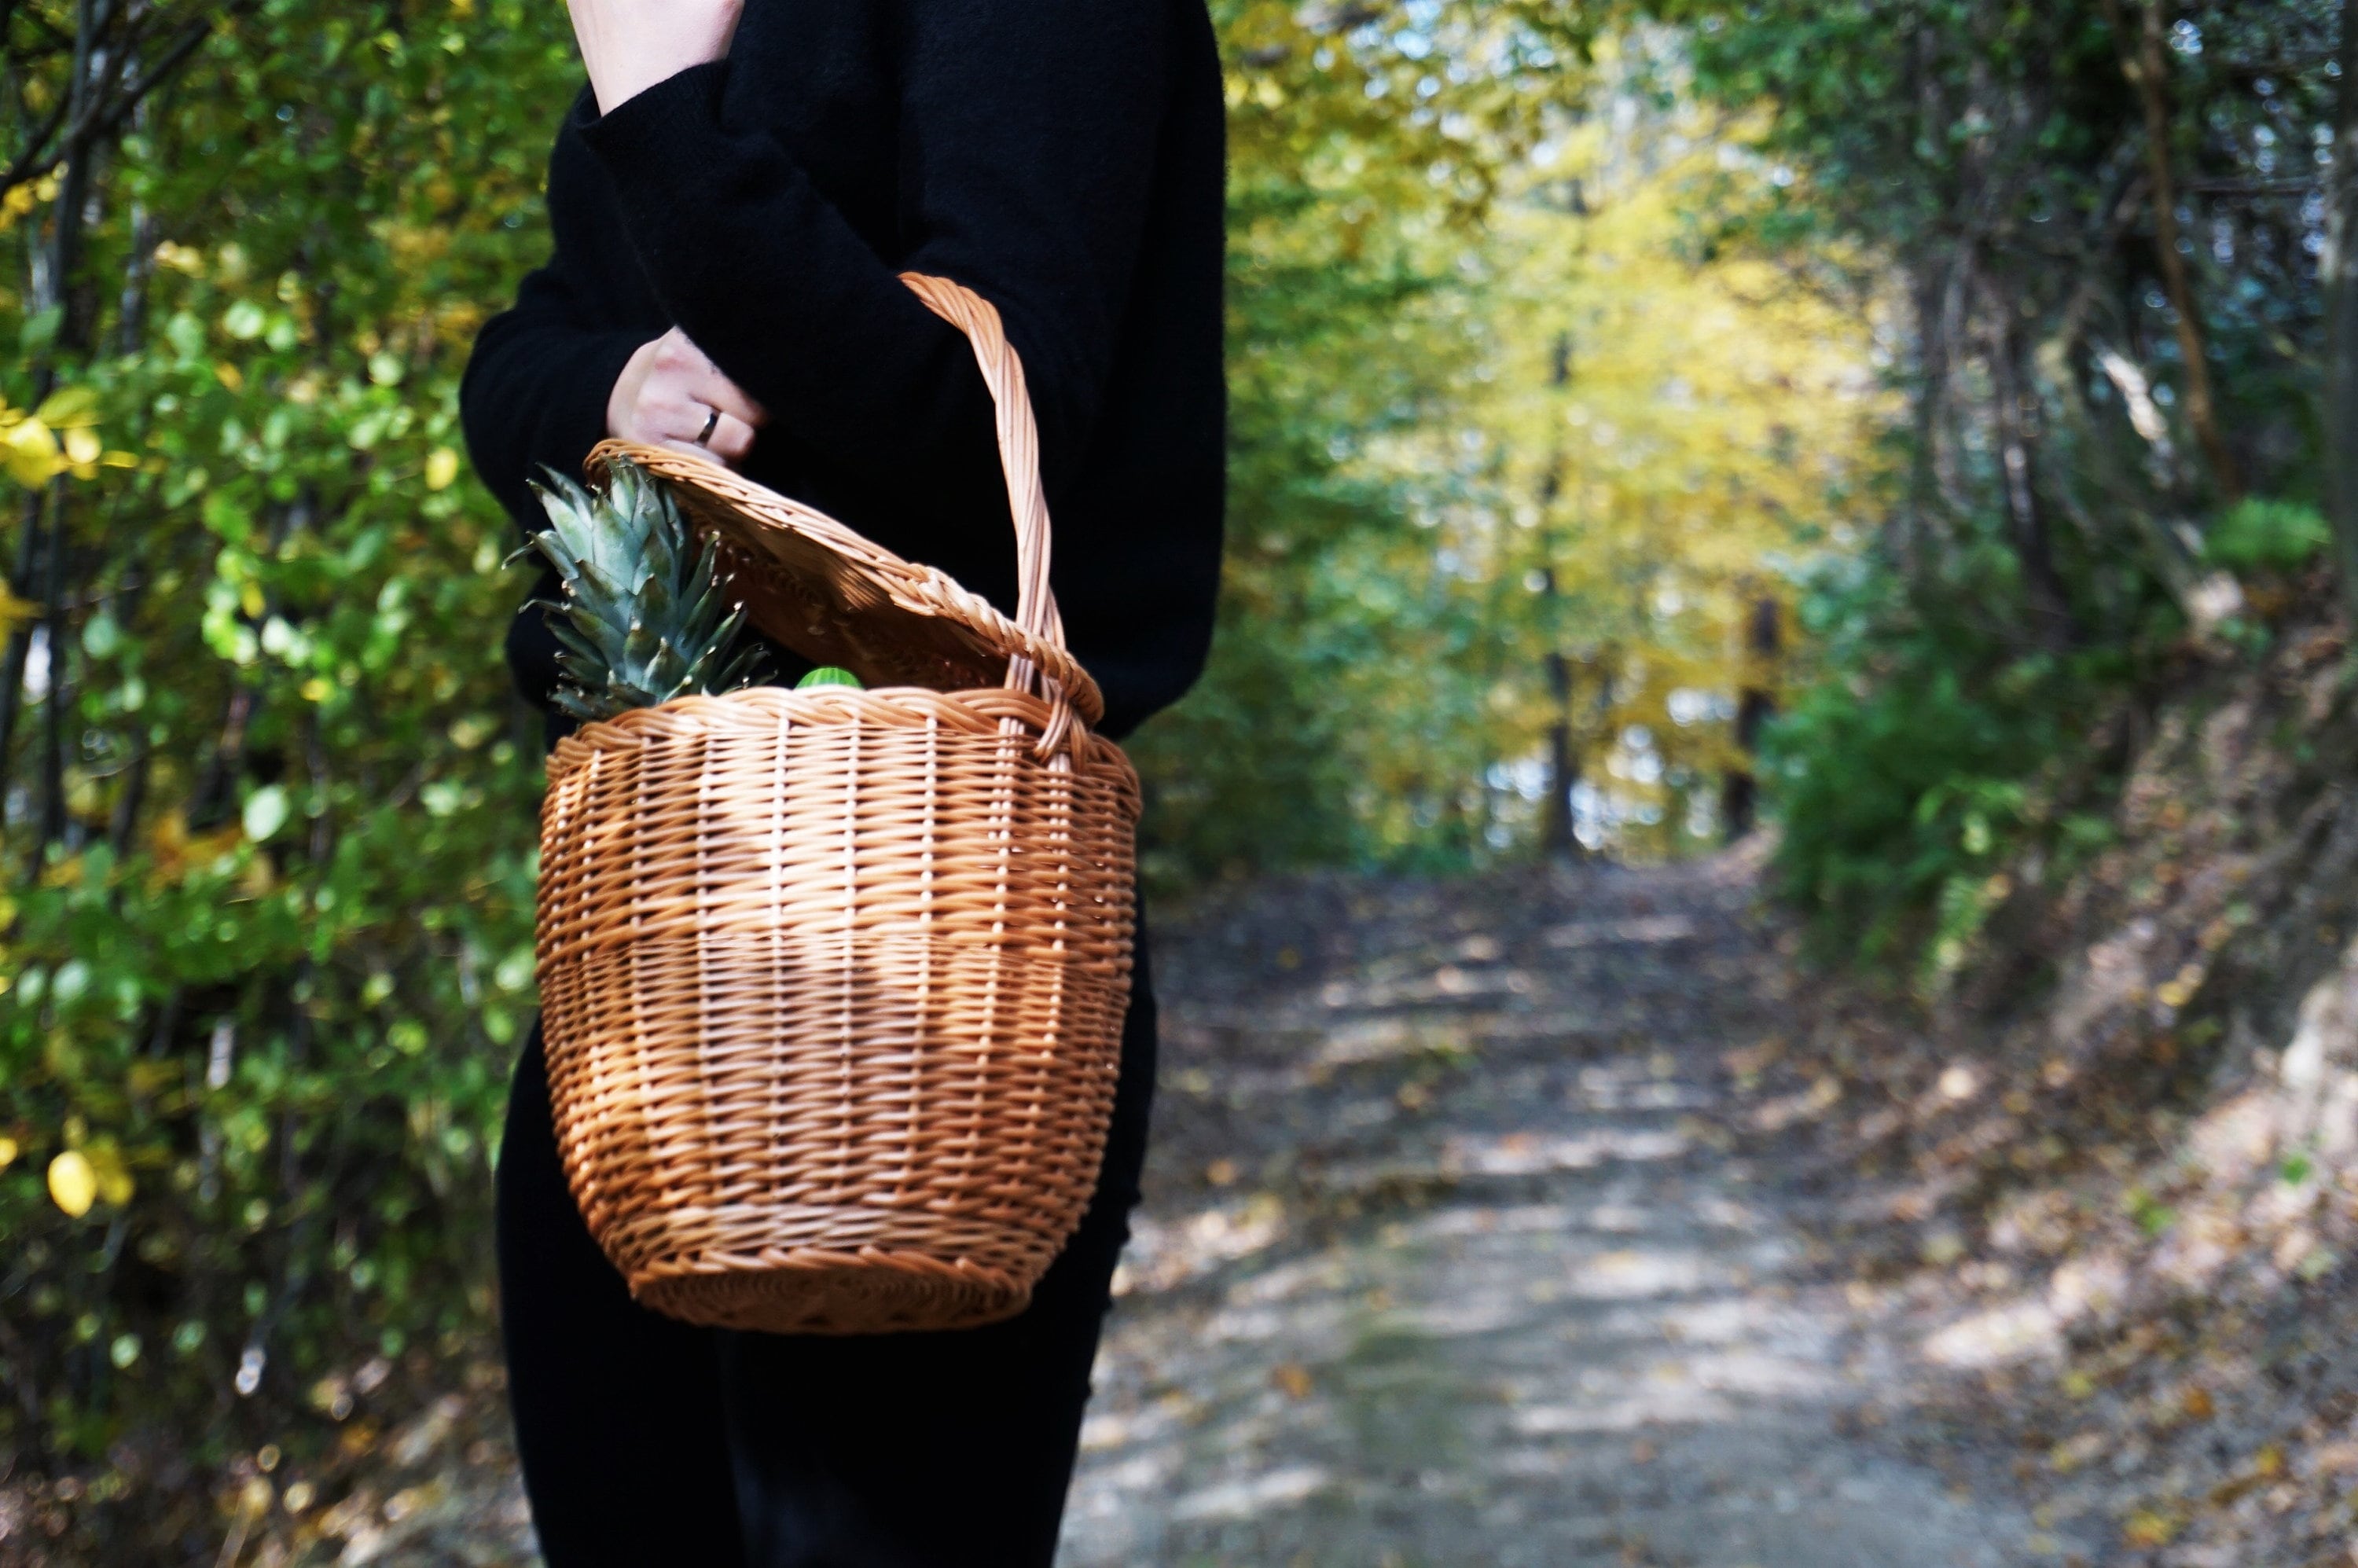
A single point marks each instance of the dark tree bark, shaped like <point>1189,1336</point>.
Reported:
<point>121,55</point>
<point>1556,836</point>
<point>2338,269</point>
<point>1557,839</point>
<point>20,637</point>
<point>2017,434</point>
<point>2145,61</point>
<point>1764,643</point>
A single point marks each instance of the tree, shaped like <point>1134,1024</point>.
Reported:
<point>268,934</point>
<point>2338,272</point>
<point>2101,216</point>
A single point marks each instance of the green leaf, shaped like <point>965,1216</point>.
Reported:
<point>39,331</point>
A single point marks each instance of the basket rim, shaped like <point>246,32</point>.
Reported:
<point>979,711</point>
<point>767,526</point>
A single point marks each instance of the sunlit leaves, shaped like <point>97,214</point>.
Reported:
<point>73,1185</point>
<point>251,1003</point>
<point>60,436</point>
<point>1366,143</point>
<point>1655,443</point>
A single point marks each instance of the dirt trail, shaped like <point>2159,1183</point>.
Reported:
<point>1463,1245</point>
<point>1452,1254</point>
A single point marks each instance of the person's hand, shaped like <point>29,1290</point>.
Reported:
<point>669,393</point>
<point>631,45</point>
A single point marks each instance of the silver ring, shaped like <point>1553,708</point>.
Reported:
<point>711,423</point>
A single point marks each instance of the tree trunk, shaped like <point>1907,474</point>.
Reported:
<point>2339,270</point>
<point>64,253</point>
<point>1557,839</point>
<point>2145,61</point>
<point>1756,704</point>
<point>54,700</point>
<point>2050,606</point>
<point>20,637</point>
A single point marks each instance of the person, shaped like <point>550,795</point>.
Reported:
<point>731,202</point>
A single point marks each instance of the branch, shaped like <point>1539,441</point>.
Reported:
<point>37,152</point>
<point>107,111</point>
<point>2249,187</point>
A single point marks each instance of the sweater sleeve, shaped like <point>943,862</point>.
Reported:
<point>1027,137</point>
<point>536,384</point>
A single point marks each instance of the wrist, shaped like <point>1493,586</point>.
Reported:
<point>626,55</point>
<point>626,79</point>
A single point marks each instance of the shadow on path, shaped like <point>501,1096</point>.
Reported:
<point>1448,1255</point>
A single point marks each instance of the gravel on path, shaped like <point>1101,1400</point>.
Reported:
<point>1462,1246</point>
<point>1452,1254</point>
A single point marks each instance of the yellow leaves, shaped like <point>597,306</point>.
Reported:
<point>31,452</point>
<point>8,1153</point>
<point>22,199</point>
<point>181,258</point>
<point>442,469</point>
<point>2146,1528</point>
<point>68,408</point>
<point>80,1177</point>
<point>229,376</point>
<point>2176,992</point>
<point>176,851</point>
<point>73,1185</point>
<point>58,437</point>
<point>1651,439</point>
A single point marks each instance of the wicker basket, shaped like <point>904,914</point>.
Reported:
<point>833,980</point>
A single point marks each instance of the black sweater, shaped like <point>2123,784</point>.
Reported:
<point>1062,157</point>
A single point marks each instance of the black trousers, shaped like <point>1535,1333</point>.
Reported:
<point>650,1443</point>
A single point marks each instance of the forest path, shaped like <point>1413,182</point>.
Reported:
<point>1468,1242</point>
<point>1460,1246</point>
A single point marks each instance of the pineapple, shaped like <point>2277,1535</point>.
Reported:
<point>642,622</point>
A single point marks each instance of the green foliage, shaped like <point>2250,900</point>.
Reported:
<point>2258,534</point>
<point>270,806</point>
<point>643,620</point>
<point>1920,765</point>
<point>1366,145</point>
<point>2047,548</point>
<point>270,803</point>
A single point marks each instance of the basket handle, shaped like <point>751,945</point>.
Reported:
<point>1018,456</point>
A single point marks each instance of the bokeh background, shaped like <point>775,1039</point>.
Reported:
<point>1649,421</point>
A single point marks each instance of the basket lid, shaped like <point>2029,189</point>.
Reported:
<point>838,598</point>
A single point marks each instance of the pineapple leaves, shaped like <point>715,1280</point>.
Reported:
<point>643,618</point>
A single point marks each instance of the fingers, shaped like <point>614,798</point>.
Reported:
<point>731,439</point>
<point>703,381</point>
<point>669,393</point>
<point>718,391</point>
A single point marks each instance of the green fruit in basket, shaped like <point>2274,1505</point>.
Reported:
<point>830,674</point>
<point>644,618</point>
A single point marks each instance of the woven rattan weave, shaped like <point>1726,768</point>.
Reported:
<point>833,980</point>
